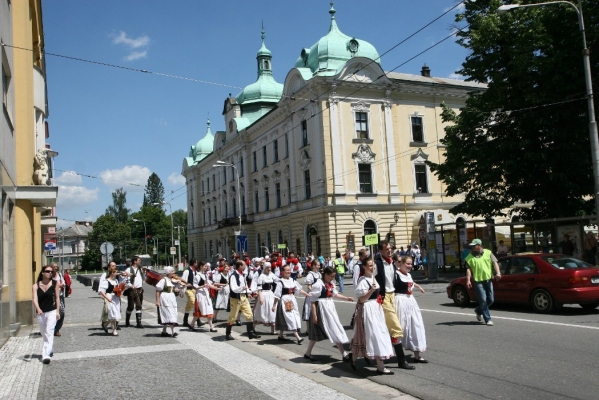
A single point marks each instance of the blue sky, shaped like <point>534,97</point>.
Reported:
<point>113,127</point>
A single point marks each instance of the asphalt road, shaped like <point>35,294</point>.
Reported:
<point>525,355</point>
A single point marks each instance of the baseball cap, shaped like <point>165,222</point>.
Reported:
<point>476,242</point>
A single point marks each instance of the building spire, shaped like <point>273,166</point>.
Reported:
<point>333,22</point>
<point>263,33</point>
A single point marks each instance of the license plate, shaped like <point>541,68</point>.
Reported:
<point>595,279</point>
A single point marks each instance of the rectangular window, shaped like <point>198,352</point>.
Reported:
<point>243,204</point>
<point>202,188</point>
<point>255,161</point>
<point>304,133</point>
<point>275,150</point>
<point>266,200</point>
<point>288,191</point>
<point>241,167</point>
<point>224,176</point>
<point>365,177</point>
<point>420,178</point>
<point>417,130</point>
<point>208,185</point>
<point>286,146</point>
<point>308,191</point>
<point>362,125</point>
<point>264,159</point>
<point>215,215</point>
<point>278,194</point>
<point>213,182</point>
<point>233,175</point>
<point>203,217</point>
<point>209,217</point>
<point>5,86</point>
<point>256,203</point>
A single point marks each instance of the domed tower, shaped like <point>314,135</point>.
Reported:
<point>327,56</point>
<point>202,148</point>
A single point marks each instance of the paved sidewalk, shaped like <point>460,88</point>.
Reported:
<point>139,363</point>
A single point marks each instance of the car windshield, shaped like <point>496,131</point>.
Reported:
<point>567,263</point>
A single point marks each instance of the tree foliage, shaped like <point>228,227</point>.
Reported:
<point>119,209</point>
<point>154,191</point>
<point>107,228</point>
<point>522,144</point>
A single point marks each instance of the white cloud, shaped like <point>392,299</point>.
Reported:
<point>132,177</point>
<point>132,43</point>
<point>176,179</point>
<point>138,46</point>
<point>456,76</point>
<point>68,178</point>
<point>75,196</point>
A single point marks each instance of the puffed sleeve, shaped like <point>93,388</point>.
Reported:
<point>160,285</point>
<point>297,286</point>
<point>279,290</point>
<point>103,286</point>
<point>310,279</point>
<point>316,290</point>
<point>196,281</point>
<point>363,287</point>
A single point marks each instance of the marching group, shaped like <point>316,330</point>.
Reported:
<point>386,318</point>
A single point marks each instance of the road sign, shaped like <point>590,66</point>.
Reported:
<point>155,251</point>
<point>106,248</point>
<point>241,244</point>
<point>176,243</point>
<point>49,245</point>
<point>281,246</point>
<point>173,250</point>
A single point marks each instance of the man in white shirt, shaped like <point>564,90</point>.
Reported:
<point>238,298</point>
<point>135,291</point>
<point>190,293</point>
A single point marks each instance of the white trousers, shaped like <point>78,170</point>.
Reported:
<point>47,323</point>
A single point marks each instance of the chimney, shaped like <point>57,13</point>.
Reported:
<point>426,71</point>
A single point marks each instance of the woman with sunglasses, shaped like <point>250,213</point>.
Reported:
<point>112,303</point>
<point>324,322</point>
<point>407,309</point>
<point>46,295</point>
<point>371,336</point>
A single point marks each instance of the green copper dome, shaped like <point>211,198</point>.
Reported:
<point>202,148</point>
<point>333,50</point>
<point>265,89</point>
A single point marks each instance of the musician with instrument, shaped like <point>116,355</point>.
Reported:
<point>189,276</point>
<point>135,291</point>
<point>239,301</point>
<point>110,290</point>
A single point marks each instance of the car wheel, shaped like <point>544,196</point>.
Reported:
<point>589,306</point>
<point>541,301</point>
<point>460,296</point>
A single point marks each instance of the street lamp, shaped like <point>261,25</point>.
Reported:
<point>145,232</point>
<point>594,135</point>
<point>226,164</point>
<point>172,228</point>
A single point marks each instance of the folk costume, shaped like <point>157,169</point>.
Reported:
<point>328,325</point>
<point>385,277</point>
<point>263,313</point>
<point>222,297</point>
<point>111,313</point>
<point>408,312</point>
<point>135,295</point>
<point>311,278</point>
<point>288,317</point>
<point>190,292</point>
<point>240,303</point>
<point>203,304</point>
<point>168,304</point>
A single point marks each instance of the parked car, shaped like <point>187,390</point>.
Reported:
<point>545,281</point>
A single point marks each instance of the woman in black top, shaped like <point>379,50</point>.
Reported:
<point>46,295</point>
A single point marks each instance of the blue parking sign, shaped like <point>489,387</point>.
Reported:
<point>242,244</point>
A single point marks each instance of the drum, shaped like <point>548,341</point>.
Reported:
<point>153,277</point>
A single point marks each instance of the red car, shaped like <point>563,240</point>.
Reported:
<point>545,281</point>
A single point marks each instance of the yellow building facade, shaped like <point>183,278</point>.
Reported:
<point>336,152</point>
<point>27,195</point>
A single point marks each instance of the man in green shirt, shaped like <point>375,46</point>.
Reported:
<point>480,263</point>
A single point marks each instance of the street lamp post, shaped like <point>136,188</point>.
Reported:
<point>226,164</point>
<point>145,232</point>
<point>172,228</point>
<point>593,134</point>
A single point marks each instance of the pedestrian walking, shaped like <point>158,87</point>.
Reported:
<point>480,263</point>
<point>60,282</point>
<point>313,276</point>
<point>189,277</point>
<point>221,280</point>
<point>203,303</point>
<point>407,310</point>
<point>67,283</point>
<point>111,312</point>
<point>385,275</point>
<point>239,301</point>
<point>166,301</point>
<point>340,267</point>
<point>263,308</point>
<point>324,321</point>
<point>46,295</point>
<point>288,317</point>
<point>371,337</point>
<point>590,248</point>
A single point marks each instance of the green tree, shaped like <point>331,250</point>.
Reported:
<point>154,191</point>
<point>106,229</point>
<point>119,209</point>
<point>525,140</point>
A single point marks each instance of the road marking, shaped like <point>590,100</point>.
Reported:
<point>118,351</point>
<point>516,319</point>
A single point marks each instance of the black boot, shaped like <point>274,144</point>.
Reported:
<point>186,320</point>
<point>228,333</point>
<point>401,357</point>
<point>138,319</point>
<point>127,319</point>
<point>251,332</point>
